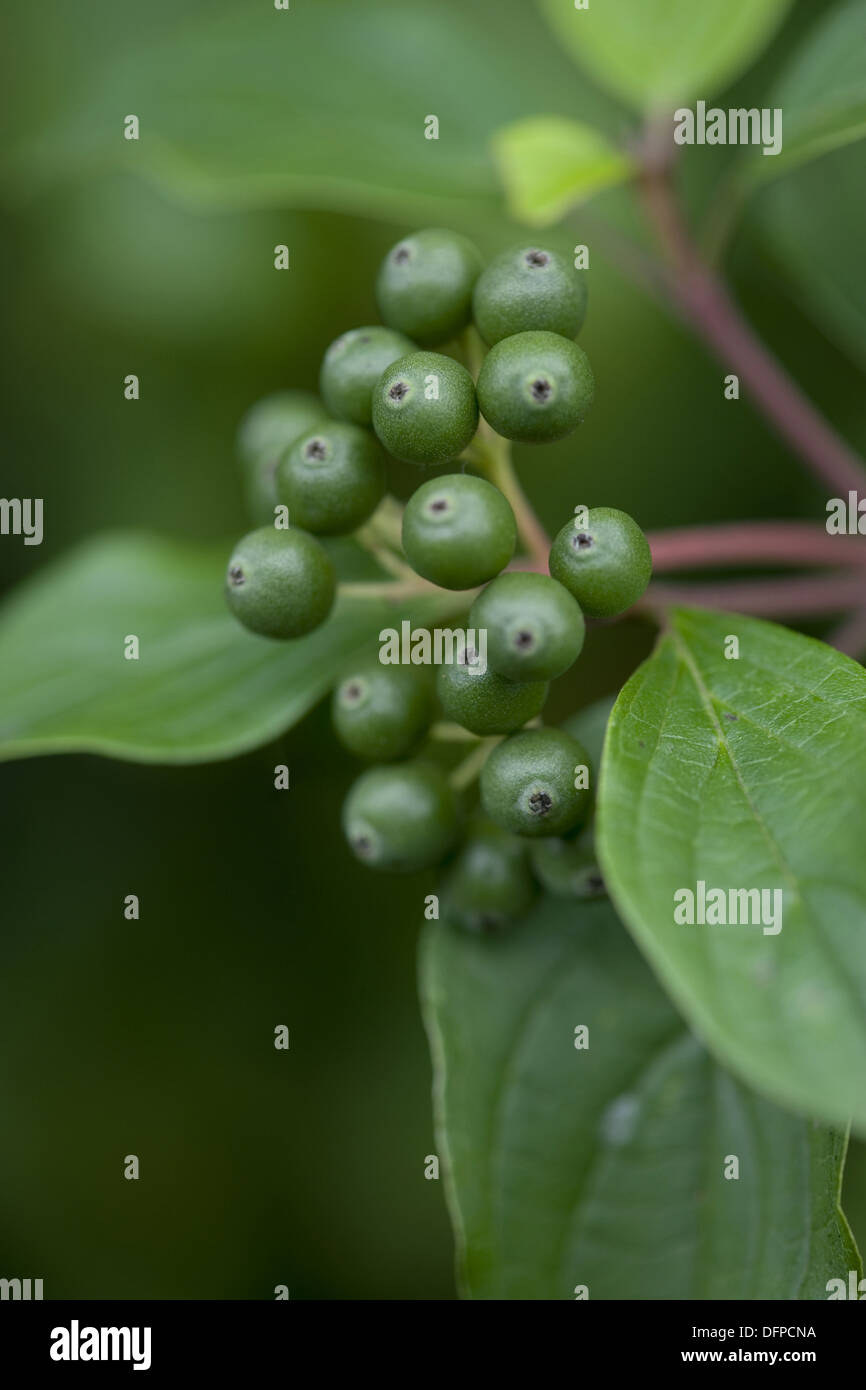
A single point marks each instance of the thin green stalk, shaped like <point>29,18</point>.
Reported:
<point>464,773</point>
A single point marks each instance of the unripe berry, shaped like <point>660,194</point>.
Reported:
<point>535,387</point>
<point>484,702</point>
<point>424,408</point>
<point>529,288</point>
<point>383,712</point>
<point>333,479</point>
<point>606,564</point>
<point>567,868</point>
<point>402,817</point>
<point>264,434</point>
<point>425,284</point>
<point>280,583</point>
<point>489,884</point>
<point>458,531</point>
<point>351,367</point>
<point>528,783</point>
<point>535,629</point>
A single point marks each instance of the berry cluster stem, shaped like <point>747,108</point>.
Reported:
<point>812,596</point>
<point>704,300</point>
<point>445,732</point>
<point>464,773</point>
<point>753,543</point>
<point>491,455</point>
<point>495,462</point>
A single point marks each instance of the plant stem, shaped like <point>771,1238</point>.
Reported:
<point>384,557</point>
<point>401,589</point>
<point>850,636</point>
<point>464,773</point>
<point>443,732</point>
<point>769,598</point>
<point>753,543</point>
<point>491,455</point>
<point>704,299</point>
<point>499,470</point>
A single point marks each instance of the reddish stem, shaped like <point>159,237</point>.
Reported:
<point>850,636</point>
<point>753,543</point>
<point>707,305</point>
<point>769,598</point>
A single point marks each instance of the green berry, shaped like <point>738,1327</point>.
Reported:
<point>529,288</point>
<point>425,284</point>
<point>332,479</point>
<point>528,783</point>
<point>535,387</point>
<point>458,531</point>
<point>424,408</point>
<point>401,818</point>
<point>489,884</point>
<point>535,629</point>
<point>484,702</point>
<point>353,364</point>
<point>280,583</point>
<point>382,712</point>
<point>606,564</point>
<point>567,868</point>
<point>265,432</point>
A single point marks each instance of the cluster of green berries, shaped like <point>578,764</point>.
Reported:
<point>316,468</point>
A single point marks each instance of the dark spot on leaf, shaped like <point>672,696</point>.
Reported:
<point>316,449</point>
<point>732,717</point>
<point>537,258</point>
<point>364,338</point>
<point>236,574</point>
<point>641,743</point>
<point>595,882</point>
<point>540,389</point>
<point>439,504</point>
<point>398,390</point>
<point>401,255</point>
<point>540,803</point>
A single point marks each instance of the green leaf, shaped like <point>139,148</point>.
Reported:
<point>655,53</point>
<point>549,164</point>
<point>202,688</point>
<point>822,92</point>
<point>321,106</point>
<point>813,222</point>
<point>605,1166</point>
<point>749,773</point>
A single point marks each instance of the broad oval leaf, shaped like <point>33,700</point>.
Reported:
<point>548,165</point>
<point>748,776</point>
<point>323,105</point>
<point>822,92</point>
<point>604,1166</point>
<point>813,222</point>
<point>202,688</point>
<point>652,53</point>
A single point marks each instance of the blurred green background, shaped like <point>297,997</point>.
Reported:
<point>156,1037</point>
